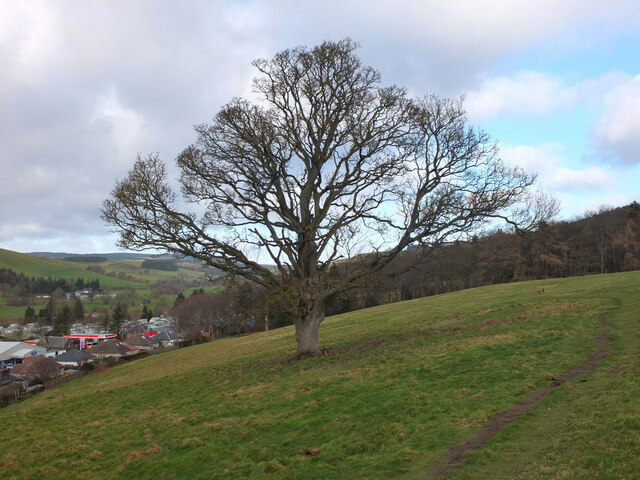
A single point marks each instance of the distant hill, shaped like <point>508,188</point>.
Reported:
<point>112,273</point>
<point>108,256</point>
<point>36,266</point>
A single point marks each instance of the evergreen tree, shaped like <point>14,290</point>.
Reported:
<point>179,299</point>
<point>105,322</point>
<point>119,316</point>
<point>49,312</point>
<point>29,314</point>
<point>78,309</point>
<point>147,313</point>
<point>63,320</point>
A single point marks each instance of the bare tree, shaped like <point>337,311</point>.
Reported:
<point>328,166</point>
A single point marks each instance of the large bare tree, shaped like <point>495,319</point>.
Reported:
<point>327,168</point>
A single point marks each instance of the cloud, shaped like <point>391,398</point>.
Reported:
<point>121,125</point>
<point>533,159</point>
<point>587,178</point>
<point>443,47</point>
<point>617,133</point>
<point>548,162</point>
<point>86,86</point>
<point>525,93</point>
<point>577,189</point>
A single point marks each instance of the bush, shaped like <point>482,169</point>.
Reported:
<point>87,367</point>
<point>108,362</point>
<point>11,391</point>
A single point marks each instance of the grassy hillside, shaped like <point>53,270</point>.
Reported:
<point>119,276</point>
<point>403,384</point>
<point>31,265</point>
<point>133,268</point>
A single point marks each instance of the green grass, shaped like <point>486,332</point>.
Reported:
<point>404,383</point>
<point>191,291</point>
<point>32,265</point>
<point>11,312</point>
<point>134,268</point>
<point>143,279</point>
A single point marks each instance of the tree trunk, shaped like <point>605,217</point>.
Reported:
<point>307,333</point>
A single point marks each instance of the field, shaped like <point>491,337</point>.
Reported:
<point>32,265</point>
<point>50,267</point>
<point>123,275</point>
<point>402,385</point>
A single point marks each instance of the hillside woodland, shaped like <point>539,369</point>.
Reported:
<point>604,241</point>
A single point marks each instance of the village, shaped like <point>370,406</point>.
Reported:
<point>31,366</point>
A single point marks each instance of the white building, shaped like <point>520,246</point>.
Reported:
<point>12,353</point>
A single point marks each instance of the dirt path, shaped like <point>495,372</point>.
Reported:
<point>455,457</point>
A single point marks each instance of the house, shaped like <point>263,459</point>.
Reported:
<point>57,345</point>
<point>10,385</point>
<point>113,348</point>
<point>137,329</point>
<point>166,338</point>
<point>140,341</point>
<point>83,293</point>
<point>37,369</point>
<point>12,353</point>
<point>75,357</point>
<point>17,332</point>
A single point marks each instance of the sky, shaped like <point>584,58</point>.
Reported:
<point>87,86</point>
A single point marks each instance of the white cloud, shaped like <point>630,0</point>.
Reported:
<point>537,93</point>
<point>538,159</point>
<point>587,178</point>
<point>525,93</point>
<point>617,133</point>
<point>548,162</point>
<point>85,86</point>
<point>577,189</point>
<point>441,47</point>
<point>122,125</point>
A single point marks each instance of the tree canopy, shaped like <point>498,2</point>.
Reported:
<point>328,167</point>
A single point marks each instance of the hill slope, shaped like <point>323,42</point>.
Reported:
<point>110,256</point>
<point>404,384</point>
<point>32,265</point>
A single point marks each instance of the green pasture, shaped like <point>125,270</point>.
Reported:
<point>32,265</point>
<point>143,280</point>
<point>402,384</point>
<point>10,312</point>
<point>146,275</point>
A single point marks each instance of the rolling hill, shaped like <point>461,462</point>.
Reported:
<point>115,276</point>
<point>109,256</point>
<point>32,265</point>
<point>403,384</point>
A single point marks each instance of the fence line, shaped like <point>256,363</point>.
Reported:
<point>56,381</point>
